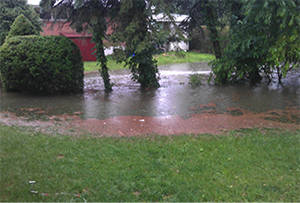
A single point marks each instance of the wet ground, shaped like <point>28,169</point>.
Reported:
<point>176,107</point>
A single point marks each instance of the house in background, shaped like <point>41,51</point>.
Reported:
<point>82,40</point>
<point>62,28</point>
<point>165,24</point>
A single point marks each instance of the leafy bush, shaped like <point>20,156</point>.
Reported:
<point>264,42</point>
<point>22,26</point>
<point>10,10</point>
<point>41,64</point>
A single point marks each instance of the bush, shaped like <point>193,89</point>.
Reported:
<point>22,26</point>
<point>41,64</point>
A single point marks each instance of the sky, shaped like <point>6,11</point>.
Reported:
<point>33,2</point>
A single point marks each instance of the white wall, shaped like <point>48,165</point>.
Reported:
<point>181,45</point>
<point>108,50</point>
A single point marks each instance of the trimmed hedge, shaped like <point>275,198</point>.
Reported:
<point>22,26</point>
<point>41,65</point>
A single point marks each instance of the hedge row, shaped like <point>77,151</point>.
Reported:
<point>41,64</point>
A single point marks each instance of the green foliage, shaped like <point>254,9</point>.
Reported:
<point>10,10</point>
<point>144,69</point>
<point>208,13</point>
<point>139,30</point>
<point>284,55</point>
<point>86,16</point>
<point>200,40</point>
<point>22,26</point>
<point>42,65</point>
<point>264,39</point>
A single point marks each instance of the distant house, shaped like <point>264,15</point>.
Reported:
<point>166,25</point>
<point>82,40</point>
<point>87,47</point>
<point>62,28</point>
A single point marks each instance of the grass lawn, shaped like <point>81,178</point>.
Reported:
<point>163,59</point>
<point>246,165</point>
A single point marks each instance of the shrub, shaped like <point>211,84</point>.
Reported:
<point>10,10</point>
<point>22,26</point>
<point>41,64</point>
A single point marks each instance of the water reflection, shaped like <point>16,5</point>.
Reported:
<point>175,96</point>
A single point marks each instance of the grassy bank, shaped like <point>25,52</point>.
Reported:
<point>243,166</point>
<point>162,59</point>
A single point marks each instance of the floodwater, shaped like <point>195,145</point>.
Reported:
<point>176,96</point>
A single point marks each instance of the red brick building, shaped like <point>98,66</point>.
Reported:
<point>82,40</point>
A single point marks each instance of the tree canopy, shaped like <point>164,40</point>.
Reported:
<point>134,25</point>
<point>137,27</point>
<point>264,35</point>
<point>10,10</point>
<point>265,38</point>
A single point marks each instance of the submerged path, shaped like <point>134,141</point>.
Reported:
<point>210,122</point>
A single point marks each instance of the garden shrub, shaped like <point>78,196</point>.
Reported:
<point>22,26</point>
<point>41,64</point>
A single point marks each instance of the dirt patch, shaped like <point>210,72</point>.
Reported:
<point>207,122</point>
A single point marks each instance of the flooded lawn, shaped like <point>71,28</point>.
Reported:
<point>176,98</point>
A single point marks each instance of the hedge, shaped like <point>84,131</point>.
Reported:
<point>41,65</point>
<point>22,26</point>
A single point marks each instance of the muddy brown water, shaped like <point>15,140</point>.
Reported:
<point>176,97</point>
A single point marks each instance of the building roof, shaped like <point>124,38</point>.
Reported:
<point>59,28</point>
<point>62,28</point>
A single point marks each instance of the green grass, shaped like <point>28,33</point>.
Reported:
<point>111,64</point>
<point>190,57</point>
<point>246,165</point>
<point>162,59</point>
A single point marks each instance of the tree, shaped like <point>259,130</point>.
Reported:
<point>205,12</point>
<point>10,10</point>
<point>87,16</point>
<point>22,26</point>
<point>265,37</point>
<point>136,26</point>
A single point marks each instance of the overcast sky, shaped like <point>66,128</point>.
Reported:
<point>33,2</point>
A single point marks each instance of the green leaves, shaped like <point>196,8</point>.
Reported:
<point>137,28</point>
<point>267,40</point>
<point>22,26</point>
<point>41,65</point>
<point>10,10</point>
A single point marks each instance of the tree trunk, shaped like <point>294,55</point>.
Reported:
<point>98,37</point>
<point>104,69</point>
<point>214,37</point>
